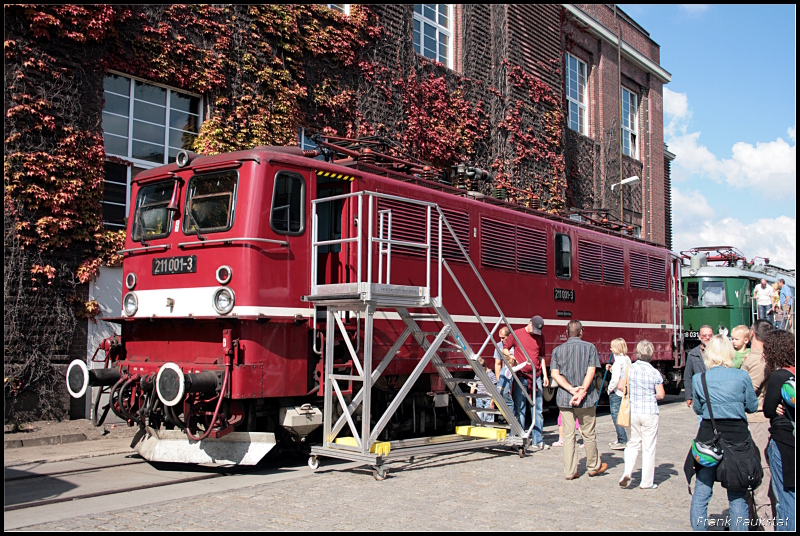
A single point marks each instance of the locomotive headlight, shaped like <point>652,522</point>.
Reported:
<point>130,304</point>
<point>130,281</point>
<point>224,274</point>
<point>223,300</point>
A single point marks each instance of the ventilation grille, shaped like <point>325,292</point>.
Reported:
<point>613,266</point>
<point>510,247</point>
<point>408,225</point>
<point>497,244</point>
<point>658,274</point>
<point>639,271</point>
<point>459,221</point>
<point>531,251</point>
<point>590,261</point>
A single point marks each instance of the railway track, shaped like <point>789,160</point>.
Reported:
<point>42,484</point>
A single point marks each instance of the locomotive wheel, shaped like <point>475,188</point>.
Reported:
<point>380,473</point>
<point>313,462</point>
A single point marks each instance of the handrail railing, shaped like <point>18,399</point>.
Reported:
<point>388,241</point>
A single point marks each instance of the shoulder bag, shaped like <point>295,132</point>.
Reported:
<point>708,453</point>
<point>624,416</point>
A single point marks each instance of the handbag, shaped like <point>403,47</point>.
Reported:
<point>624,416</point>
<point>740,468</point>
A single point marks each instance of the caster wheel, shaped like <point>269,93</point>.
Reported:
<point>380,473</point>
<point>521,451</point>
<point>313,462</point>
<point>411,459</point>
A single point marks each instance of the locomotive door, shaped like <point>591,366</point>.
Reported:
<point>330,260</point>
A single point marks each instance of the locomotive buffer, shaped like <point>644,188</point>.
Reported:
<point>365,297</point>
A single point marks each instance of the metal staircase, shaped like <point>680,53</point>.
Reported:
<point>409,304</point>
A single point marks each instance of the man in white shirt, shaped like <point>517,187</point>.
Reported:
<point>763,294</point>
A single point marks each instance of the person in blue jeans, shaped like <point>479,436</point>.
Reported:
<point>532,341</point>
<point>732,396</point>
<point>779,354</point>
<point>502,372</point>
<point>621,362</point>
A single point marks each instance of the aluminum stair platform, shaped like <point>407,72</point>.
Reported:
<point>444,348</point>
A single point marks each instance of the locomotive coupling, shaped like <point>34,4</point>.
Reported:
<point>80,378</point>
<point>172,384</point>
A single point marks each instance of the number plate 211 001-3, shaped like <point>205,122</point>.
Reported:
<point>175,265</point>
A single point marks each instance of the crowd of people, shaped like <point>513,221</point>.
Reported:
<point>741,388</point>
<point>775,303</point>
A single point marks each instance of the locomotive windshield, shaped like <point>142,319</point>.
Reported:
<point>706,294</point>
<point>210,202</point>
<point>152,219</point>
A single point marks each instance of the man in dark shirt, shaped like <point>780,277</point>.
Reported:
<point>695,365</point>
<point>572,367</point>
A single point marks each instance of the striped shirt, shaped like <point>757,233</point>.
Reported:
<point>642,380</point>
<point>572,360</point>
<point>480,388</point>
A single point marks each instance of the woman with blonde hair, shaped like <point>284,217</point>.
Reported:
<point>732,395</point>
<point>646,388</point>
<point>616,387</point>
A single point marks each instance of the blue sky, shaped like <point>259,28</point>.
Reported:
<point>730,118</point>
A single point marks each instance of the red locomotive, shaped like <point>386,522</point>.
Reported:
<point>219,352</point>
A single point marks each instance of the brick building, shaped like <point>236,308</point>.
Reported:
<point>591,43</point>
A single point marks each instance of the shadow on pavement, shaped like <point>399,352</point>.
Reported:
<point>23,487</point>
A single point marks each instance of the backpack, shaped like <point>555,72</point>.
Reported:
<point>787,394</point>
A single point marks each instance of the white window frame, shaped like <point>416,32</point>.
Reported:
<point>630,124</point>
<point>421,20</point>
<point>341,8</point>
<point>138,163</point>
<point>579,104</point>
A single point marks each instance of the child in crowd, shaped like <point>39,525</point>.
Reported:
<point>479,388</point>
<point>560,442</point>
<point>740,337</point>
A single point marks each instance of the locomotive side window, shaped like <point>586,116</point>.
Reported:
<point>210,202</point>
<point>152,219</point>
<point>563,255</point>
<point>706,294</point>
<point>288,204</point>
<point>692,293</point>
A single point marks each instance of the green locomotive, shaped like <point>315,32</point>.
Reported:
<point>721,294</point>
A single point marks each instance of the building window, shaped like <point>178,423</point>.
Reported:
<point>576,93</point>
<point>630,124</point>
<point>341,8</point>
<point>432,31</point>
<point>146,125</point>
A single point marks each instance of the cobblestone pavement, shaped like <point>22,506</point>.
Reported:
<point>483,490</point>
